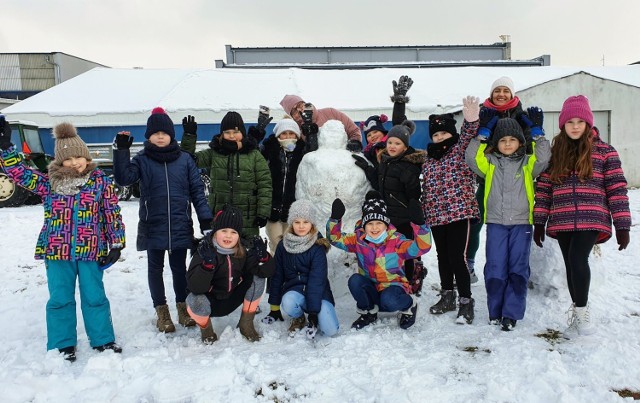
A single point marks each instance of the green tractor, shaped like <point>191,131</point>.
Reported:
<point>27,140</point>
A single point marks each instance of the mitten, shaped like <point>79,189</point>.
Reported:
<point>533,119</point>
<point>400,89</point>
<point>260,248</point>
<point>337,209</point>
<point>538,234</point>
<point>111,258</point>
<point>260,222</point>
<point>5,133</point>
<point>123,141</point>
<point>205,227</point>
<point>274,315</point>
<point>312,326</point>
<point>471,108</point>
<point>415,212</point>
<point>354,146</point>
<point>189,125</point>
<point>622,237</point>
<point>488,120</point>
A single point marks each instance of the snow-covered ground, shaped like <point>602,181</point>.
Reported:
<point>435,360</point>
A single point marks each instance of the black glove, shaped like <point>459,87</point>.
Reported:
<point>538,234</point>
<point>205,226</point>
<point>111,258</point>
<point>263,118</point>
<point>488,119</point>
<point>533,119</point>
<point>260,248</point>
<point>312,318</point>
<point>272,317</point>
<point>123,140</point>
<point>260,222</point>
<point>361,162</point>
<point>256,133</point>
<point>354,146</point>
<point>369,171</point>
<point>189,125</point>
<point>195,242</point>
<point>415,212</point>
<point>622,236</point>
<point>400,89</point>
<point>337,209</point>
<point>311,137</point>
<point>5,133</point>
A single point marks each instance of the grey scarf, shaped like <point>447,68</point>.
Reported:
<point>68,181</point>
<point>298,244</point>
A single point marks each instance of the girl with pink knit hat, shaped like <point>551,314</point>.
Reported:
<point>577,198</point>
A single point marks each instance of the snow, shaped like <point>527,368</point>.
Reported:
<point>435,360</point>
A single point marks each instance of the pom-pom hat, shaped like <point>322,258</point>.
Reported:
<point>68,144</point>
<point>374,122</point>
<point>159,121</point>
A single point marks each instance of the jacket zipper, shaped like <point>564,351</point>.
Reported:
<point>230,277</point>
<point>166,177</point>
<point>75,227</point>
<point>393,197</point>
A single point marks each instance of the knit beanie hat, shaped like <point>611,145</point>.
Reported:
<point>159,121</point>
<point>403,131</point>
<point>287,124</point>
<point>68,143</point>
<point>374,122</point>
<point>576,107</point>
<point>228,217</point>
<point>442,123</point>
<point>232,120</point>
<point>507,127</point>
<point>503,82</point>
<point>374,208</point>
<point>302,209</point>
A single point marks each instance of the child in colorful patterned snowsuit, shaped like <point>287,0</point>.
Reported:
<point>381,283</point>
<point>82,231</point>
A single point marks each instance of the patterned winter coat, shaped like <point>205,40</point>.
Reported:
<point>586,206</point>
<point>77,227</point>
<point>382,263</point>
<point>448,193</point>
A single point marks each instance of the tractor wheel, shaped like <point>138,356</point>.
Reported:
<point>10,194</point>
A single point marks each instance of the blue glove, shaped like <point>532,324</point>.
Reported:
<point>488,119</point>
<point>533,119</point>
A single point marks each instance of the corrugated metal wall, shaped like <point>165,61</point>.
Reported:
<point>26,72</point>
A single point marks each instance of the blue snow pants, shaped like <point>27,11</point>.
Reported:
<point>506,273</point>
<point>294,304</point>
<point>61,307</point>
<point>391,299</point>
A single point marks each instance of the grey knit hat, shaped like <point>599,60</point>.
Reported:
<point>507,127</point>
<point>302,209</point>
<point>68,143</point>
<point>402,131</point>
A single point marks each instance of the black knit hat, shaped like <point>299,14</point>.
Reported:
<point>507,127</point>
<point>442,123</point>
<point>374,122</point>
<point>403,131</point>
<point>374,208</point>
<point>232,120</point>
<point>159,121</point>
<point>228,217</point>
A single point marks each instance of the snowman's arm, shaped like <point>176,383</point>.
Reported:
<point>413,248</point>
<point>339,239</point>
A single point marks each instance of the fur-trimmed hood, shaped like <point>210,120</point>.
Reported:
<point>413,156</point>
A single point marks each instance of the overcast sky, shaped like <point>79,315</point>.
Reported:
<point>193,33</point>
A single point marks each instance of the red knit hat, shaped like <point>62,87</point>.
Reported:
<point>576,107</point>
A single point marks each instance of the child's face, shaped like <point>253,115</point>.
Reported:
<point>287,135</point>
<point>395,146</point>
<point>77,163</point>
<point>575,128</point>
<point>374,136</point>
<point>501,95</point>
<point>301,227</point>
<point>439,137</point>
<point>160,139</point>
<point>227,238</point>
<point>375,228</point>
<point>233,135</point>
<point>508,145</point>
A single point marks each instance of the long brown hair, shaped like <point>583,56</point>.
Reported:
<point>569,155</point>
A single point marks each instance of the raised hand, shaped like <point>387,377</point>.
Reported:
<point>400,89</point>
<point>488,120</point>
<point>123,140</point>
<point>471,108</point>
<point>189,125</point>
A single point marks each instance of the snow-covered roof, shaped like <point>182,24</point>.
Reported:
<point>126,96</point>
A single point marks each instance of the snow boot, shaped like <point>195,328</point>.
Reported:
<point>446,303</point>
<point>508,324</point>
<point>572,323</point>
<point>408,317</point>
<point>109,346</point>
<point>465,312</point>
<point>207,335</point>
<point>183,316</point>
<point>419,274</point>
<point>297,324</point>
<point>245,324</point>
<point>366,318</point>
<point>164,323</point>
<point>585,325</point>
<point>68,353</point>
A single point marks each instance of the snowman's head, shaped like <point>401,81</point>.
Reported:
<point>332,136</point>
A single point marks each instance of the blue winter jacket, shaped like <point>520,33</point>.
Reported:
<point>167,190</point>
<point>305,273</point>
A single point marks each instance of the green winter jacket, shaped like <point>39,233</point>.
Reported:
<point>241,178</point>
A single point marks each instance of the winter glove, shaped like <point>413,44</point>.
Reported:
<point>205,227</point>
<point>195,242</point>
<point>260,248</point>
<point>5,133</point>
<point>538,234</point>
<point>488,120</point>
<point>263,118</point>
<point>369,171</point>
<point>260,222</point>
<point>274,316</point>
<point>311,137</point>
<point>111,258</point>
<point>400,89</point>
<point>337,209</point>
<point>123,140</point>
<point>189,125</point>
<point>361,162</point>
<point>256,134</point>
<point>415,212</point>
<point>312,327</point>
<point>471,108</point>
<point>533,119</point>
<point>622,236</point>
<point>354,146</point>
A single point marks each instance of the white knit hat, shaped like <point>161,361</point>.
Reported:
<point>503,82</point>
<point>287,124</point>
<point>302,209</point>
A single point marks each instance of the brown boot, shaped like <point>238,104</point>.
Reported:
<point>246,326</point>
<point>207,334</point>
<point>297,324</point>
<point>164,323</point>
<point>183,316</point>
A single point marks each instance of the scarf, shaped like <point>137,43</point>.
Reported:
<point>298,244</point>
<point>439,150</point>
<point>169,153</point>
<point>509,105</point>
<point>220,249</point>
<point>68,181</point>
